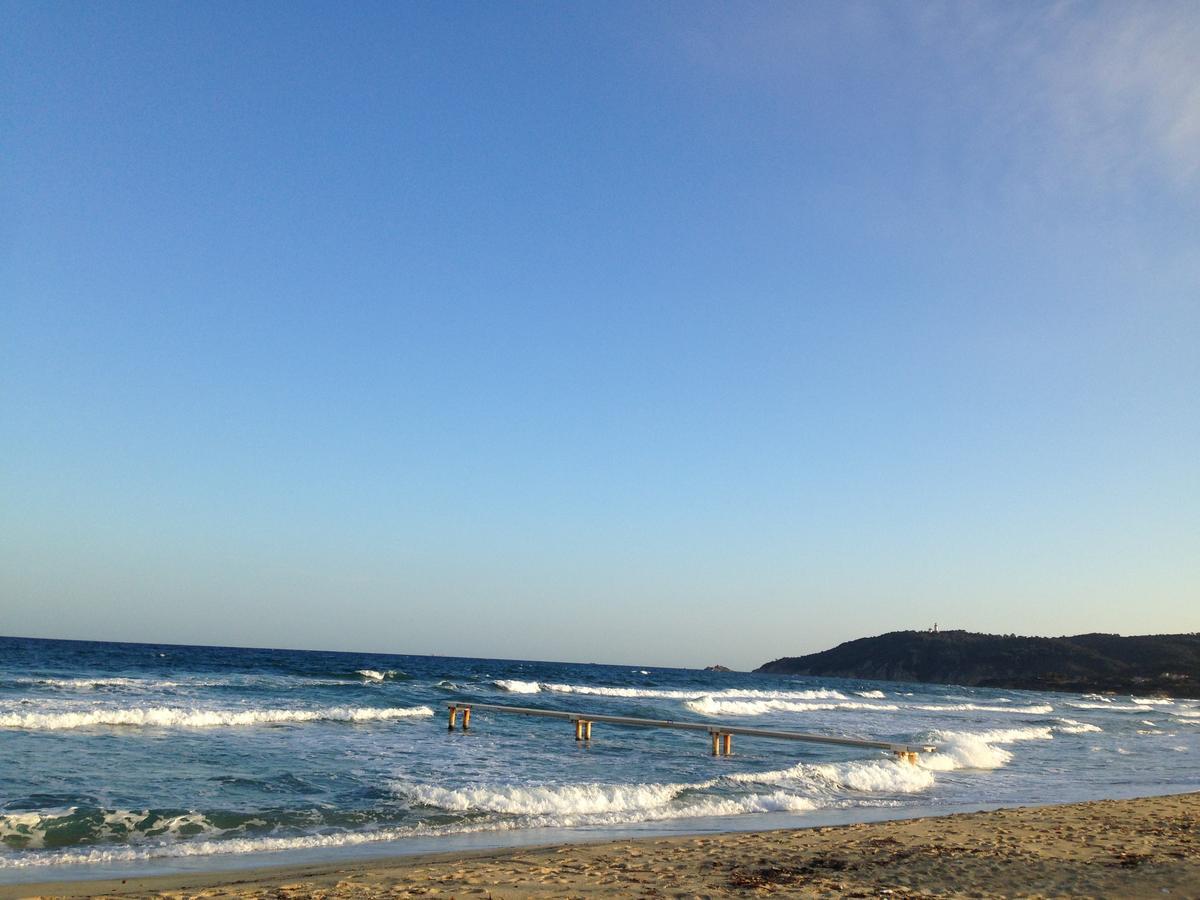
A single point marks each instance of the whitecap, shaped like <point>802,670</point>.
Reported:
<point>710,706</point>
<point>977,750</point>
<point>173,717</point>
<point>517,687</point>
<point>1040,709</point>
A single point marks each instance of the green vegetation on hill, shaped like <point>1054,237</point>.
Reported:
<point>1144,664</point>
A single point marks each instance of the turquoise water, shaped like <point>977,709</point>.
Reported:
<point>122,757</point>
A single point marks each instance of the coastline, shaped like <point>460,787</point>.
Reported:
<point>1141,847</point>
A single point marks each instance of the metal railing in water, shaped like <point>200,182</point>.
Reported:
<point>722,735</point>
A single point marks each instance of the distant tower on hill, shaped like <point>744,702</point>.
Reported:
<point>935,627</point>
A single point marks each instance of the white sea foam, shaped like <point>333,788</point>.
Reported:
<point>1040,709</point>
<point>880,775</point>
<point>977,749</point>
<point>174,717</point>
<point>600,804</point>
<point>1114,707</point>
<point>575,799</point>
<point>533,687</point>
<point>1154,701</point>
<point>82,684</point>
<point>874,776</point>
<point>871,695</point>
<point>710,706</point>
<point>1070,726</point>
<point>721,705</point>
<point>699,807</point>
<point>517,687</point>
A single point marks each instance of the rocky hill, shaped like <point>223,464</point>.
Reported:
<point>1166,664</point>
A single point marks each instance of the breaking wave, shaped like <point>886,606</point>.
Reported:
<point>873,776</point>
<point>716,705</point>
<point>83,684</point>
<point>517,687</point>
<point>978,749</point>
<point>710,706</point>
<point>30,830</point>
<point>513,686</point>
<point>171,717</point>
<point>601,804</point>
<point>1040,709</point>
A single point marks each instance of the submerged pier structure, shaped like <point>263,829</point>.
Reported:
<point>722,735</point>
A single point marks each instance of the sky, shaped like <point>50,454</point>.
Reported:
<point>672,333</point>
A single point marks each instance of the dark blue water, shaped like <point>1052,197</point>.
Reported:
<point>118,755</point>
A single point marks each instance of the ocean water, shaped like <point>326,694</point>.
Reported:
<point>132,757</point>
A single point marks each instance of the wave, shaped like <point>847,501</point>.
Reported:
<point>566,799</point>
<point>675,806</point>
<point>29,830</point>
<point>1070,726</point>
<point>881,775</point>
<point>137,835</point>
<point>173,717</point>
<point>517,687</point>
<point>871,695</point>
<point>977,749</point>
<point>874,776</point>
<point>1114,707</point>
<point>1040,709</point>
<point>513,686</point>
<point>710,706</point>
<point>77,684</point>
<point>601,804</point>
<point>358,676</point>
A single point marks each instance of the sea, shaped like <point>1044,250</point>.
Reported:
<point>118,759</point>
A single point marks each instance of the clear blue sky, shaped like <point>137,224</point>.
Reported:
<point>669,333</point>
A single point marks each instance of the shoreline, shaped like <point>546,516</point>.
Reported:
<point>1137,847</point>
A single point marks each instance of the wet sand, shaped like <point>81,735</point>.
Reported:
<point>1110,848</point>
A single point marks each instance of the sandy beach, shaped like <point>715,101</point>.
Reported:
<point>1111,848</point>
